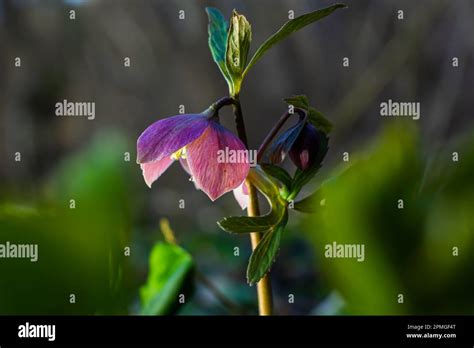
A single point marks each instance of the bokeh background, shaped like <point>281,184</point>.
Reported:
<point>83,250</point>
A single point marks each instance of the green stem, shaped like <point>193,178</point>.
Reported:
<point>264,290</point>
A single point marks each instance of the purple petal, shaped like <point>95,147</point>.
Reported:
<point>284,142</point>
<point>167,136</point>
<point>241,195</point>
<point>216,177</point>
<point>152,170</point>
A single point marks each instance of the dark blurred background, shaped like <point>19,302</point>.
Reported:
<point>63,158</point>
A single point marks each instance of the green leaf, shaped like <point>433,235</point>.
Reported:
<point>264,254</point>
<point>310,203</point>
<point>301,178</point>
<point>318,120</point>
<point>315,117</point>
<point>272,224</point>
<point>237,49</point>
<point>247,224</point>
<point>298,101</point>
<point>290,27</point>
<point>217,30</point>
<point>170,267</point>
<point>278,173</point>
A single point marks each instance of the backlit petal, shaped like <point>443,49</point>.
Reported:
<point>216,177</point>
<point>169,135</point>
<point>152,170</point>
<point>241,195</point>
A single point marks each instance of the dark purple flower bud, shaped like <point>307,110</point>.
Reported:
<point>306,149</point>
<point>284,143</point>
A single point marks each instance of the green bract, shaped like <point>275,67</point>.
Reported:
<point>265,253</point>
<point>238,45</point>
<point>315,117</point>
<point>271,224</point>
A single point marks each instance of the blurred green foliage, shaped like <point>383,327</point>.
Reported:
<point>170,274</point>
<point>81,250</point>
<point>408,251</point>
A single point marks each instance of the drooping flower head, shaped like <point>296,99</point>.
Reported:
<point>195,140</point>
<point>305,150</point>
<point>305,145</point>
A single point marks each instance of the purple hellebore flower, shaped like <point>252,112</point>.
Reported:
<point>194,139</point>
<point>301,142</point>
<point>283,144</point>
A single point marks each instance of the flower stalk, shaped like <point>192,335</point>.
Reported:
<point>264,289</point>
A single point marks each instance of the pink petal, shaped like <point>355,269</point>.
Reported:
<point>152,170</point>
<point>241,195</point>
<point>212,177</point>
